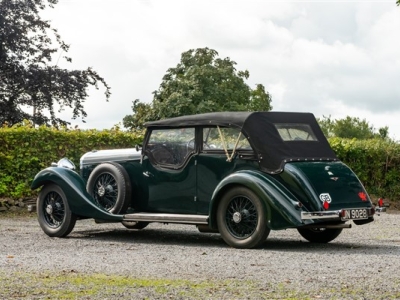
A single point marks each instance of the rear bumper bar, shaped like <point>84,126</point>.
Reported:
<point>321,215</point>
<point>339,215</point>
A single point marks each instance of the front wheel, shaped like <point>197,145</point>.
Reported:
<point>54,216</point>
<point>241,219</point>
<point>319,235</point>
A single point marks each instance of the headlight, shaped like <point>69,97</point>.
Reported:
<point>66,163</point>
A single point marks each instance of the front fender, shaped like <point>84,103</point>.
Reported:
<point>279,202</point>
<point>79,200</point>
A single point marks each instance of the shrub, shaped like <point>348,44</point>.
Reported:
<point>375,161</point>
<point>25,150</point>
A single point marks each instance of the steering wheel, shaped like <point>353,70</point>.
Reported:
<point>190,145</point>
<point>163,155</point>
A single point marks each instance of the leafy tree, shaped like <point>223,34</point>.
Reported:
<point>327,125</point>
<point>260,100</point>
<point>383,132</point>
<point>28,78</point>
<point>351,127</point>
<point>201,82</point>
<point>142,113</point>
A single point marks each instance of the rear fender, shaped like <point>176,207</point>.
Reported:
<point>80,202</point>
<point>280,204</point>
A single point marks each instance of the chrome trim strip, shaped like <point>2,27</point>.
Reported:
<point>167,218</point>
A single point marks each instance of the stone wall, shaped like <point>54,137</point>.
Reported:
<point>15,204</point>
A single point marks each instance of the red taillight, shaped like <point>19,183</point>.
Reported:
<point>326,205</point>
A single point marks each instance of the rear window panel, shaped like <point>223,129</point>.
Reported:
<point>295,132</point>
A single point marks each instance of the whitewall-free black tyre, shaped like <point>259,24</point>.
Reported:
<point>54,216</point>
<point>241,218</point>
<point>135,225</point>
<point>319,235</point>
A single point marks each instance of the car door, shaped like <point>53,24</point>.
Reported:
<point>217,160</point>
<point>169,167</point>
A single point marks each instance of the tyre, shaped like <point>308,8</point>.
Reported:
<point>135,225</point>
<point>319,235</point>
<point>241,219</point>
<point>54,216</point>
<point>110,187</point>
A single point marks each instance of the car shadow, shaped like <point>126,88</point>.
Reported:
<point>336,246</point>
<point>209,240</point>
<point>152,236</point>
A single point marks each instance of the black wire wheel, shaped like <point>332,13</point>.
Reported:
<point>241,219</point>
<point>54,216</point>
<point>319,235</point>
<point>110,187</point>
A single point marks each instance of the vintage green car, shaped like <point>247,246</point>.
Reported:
<point>241,174</point>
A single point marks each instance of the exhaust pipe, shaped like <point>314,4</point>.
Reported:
<point>328,226</point>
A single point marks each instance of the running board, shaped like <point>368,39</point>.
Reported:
<point>166,218</point>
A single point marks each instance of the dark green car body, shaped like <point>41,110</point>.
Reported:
<point>281,166</point>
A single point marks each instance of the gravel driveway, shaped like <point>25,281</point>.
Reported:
<point>362,263</point>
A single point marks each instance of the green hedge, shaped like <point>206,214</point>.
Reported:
<point>376,163</point>
<point>25,150</point>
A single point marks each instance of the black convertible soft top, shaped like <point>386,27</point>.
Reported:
<point>226,119</point>
<point>260,128</point>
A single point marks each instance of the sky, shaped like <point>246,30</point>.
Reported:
<point>330,58</point>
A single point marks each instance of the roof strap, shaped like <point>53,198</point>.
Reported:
<point>229,158</point>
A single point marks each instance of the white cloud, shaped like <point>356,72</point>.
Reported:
<point>332,58</point>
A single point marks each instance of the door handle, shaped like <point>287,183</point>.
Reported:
<point>148,174</point>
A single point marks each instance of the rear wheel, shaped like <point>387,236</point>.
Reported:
<point>242,219</point>
<point>110,186</point>
<point>135,225</point>
<point>319,235</point>
<point>54,216</point>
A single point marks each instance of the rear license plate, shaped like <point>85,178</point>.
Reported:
<point>355,214</point>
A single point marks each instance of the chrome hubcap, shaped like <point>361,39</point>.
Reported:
<point>101,191</point>
<point>49,209</point>
<point>237,217</point>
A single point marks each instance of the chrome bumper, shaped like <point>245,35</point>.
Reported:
<point>320,215</point>
<point>340,215</point>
